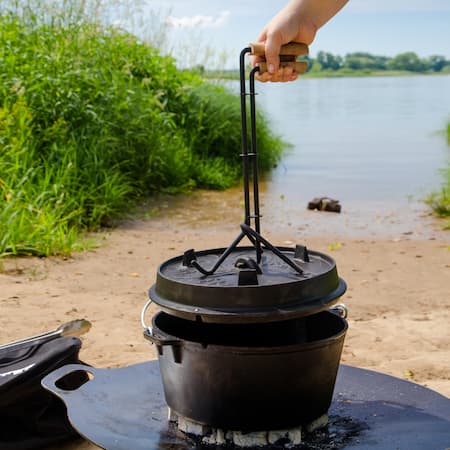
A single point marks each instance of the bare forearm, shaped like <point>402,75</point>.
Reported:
<point>317,12</point>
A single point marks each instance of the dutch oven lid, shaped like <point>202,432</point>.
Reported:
<point>242,290</point>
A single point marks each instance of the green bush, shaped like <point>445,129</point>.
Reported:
<point>440,201</point>
<point>211,118</point>
<point>92,119</point>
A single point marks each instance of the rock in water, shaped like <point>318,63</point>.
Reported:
<point>325,204</point>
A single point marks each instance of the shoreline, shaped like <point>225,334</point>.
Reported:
<point>233,74</point>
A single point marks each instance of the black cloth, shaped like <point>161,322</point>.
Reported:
<point>30,416</point>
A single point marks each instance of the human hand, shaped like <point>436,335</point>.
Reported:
<point>296,22</point>
<point>288,58</point>
<point>289,25</point>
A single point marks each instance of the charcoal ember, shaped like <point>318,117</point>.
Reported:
<point>325,204</point>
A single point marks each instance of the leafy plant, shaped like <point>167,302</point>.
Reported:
<point>92,120</point>
<point>440,201</point>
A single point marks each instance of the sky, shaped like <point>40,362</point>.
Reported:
<point>207,30</point>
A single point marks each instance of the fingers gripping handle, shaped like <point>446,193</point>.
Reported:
<point>293,49</point>
<point>288,56</point>
<point>297,66</point>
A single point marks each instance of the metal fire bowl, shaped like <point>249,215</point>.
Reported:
<point>123,409</point>
<point>281,292</point>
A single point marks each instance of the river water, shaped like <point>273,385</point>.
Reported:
<point>360,139</point>
<point>376,144</point>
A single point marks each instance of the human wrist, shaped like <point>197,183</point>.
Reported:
<point>302,19</point>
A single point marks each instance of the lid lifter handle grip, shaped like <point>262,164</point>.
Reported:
<point>288,56</point>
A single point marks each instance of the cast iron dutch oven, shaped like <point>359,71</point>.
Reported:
<point>267,376</point>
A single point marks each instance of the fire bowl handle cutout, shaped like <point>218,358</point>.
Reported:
<point>68,378</point>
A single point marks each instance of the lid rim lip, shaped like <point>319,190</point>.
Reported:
<point>250,315</point>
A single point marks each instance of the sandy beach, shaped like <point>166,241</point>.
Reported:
<point>398,293</point>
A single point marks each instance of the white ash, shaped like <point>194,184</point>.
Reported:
<point>288,438</point>
<point>317,423</point>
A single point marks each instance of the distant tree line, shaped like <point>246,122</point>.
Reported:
<point>408,61</point>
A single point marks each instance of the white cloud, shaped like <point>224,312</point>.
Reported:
<point>398,5</point>
<point>199,21</point>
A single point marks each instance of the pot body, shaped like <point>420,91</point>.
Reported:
<point>252,377</point>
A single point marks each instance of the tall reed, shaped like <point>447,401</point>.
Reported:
<point>440,201</point>
<point>92,119</point>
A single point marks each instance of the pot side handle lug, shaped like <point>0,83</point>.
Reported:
<point>151,336</point>
<point>160,340</point>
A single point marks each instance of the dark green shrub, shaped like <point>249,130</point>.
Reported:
<point>92,119</point>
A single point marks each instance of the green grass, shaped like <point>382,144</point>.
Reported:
<point>440,201</point>
<point>92,120</point>
<point>344,72</point>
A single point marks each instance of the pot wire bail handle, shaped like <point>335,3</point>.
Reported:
<point>150,335</point>
<point>146,328</point>
<point>340,309</point>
